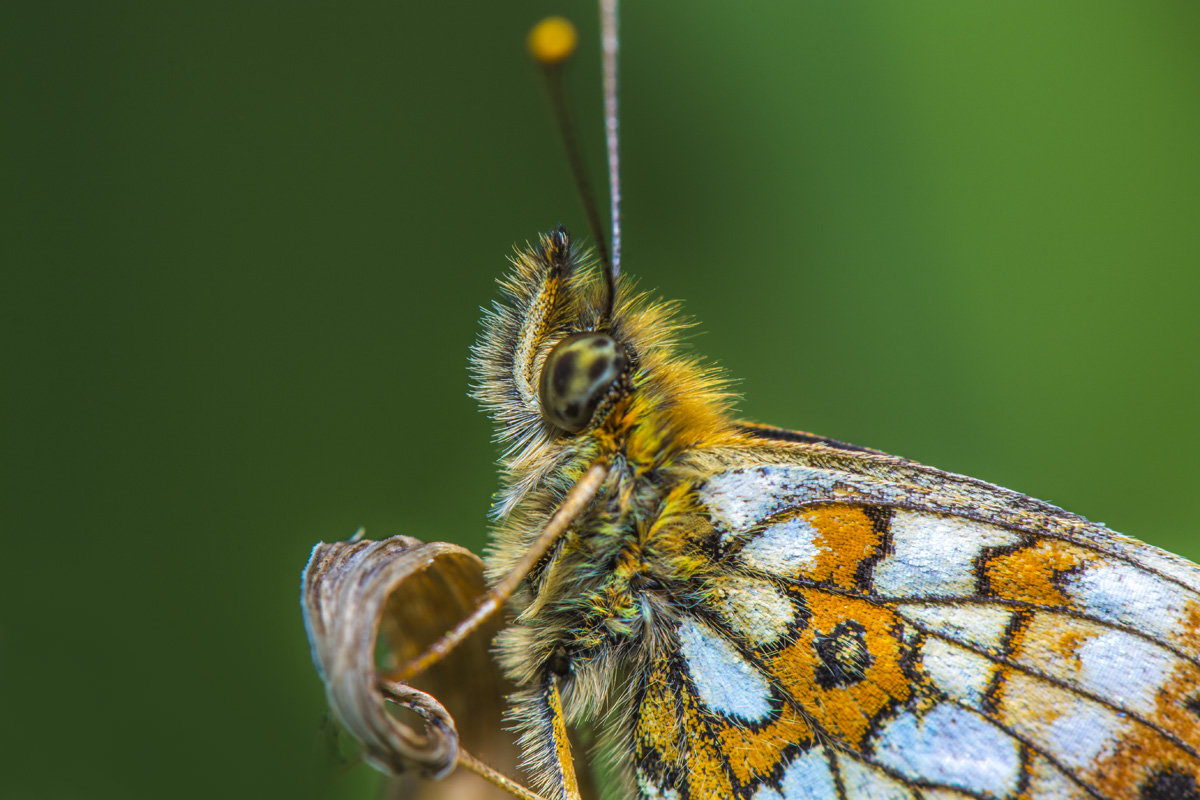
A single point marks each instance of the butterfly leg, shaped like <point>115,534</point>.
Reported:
<point>497,779</point>
<point>554,764</point>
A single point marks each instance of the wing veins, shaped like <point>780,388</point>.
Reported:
<point>834,769</point>
<point>889,602</point>
<point>1066,611</point>
<point>1052,526</point>
<point>1061,684</point>
<point>819,730</point>
<point>839,745</point>
<point>1070,774</point>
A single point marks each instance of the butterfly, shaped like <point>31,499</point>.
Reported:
<point>733,610</point>
<point>752,612</point>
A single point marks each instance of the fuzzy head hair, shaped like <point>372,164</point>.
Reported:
<point>553,293</point>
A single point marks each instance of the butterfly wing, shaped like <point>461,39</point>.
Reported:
<point>872,628</point>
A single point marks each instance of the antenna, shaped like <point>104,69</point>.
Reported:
<point>551,43</point>
<point>610,42</point>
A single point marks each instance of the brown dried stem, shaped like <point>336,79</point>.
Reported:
<point>346,586</point>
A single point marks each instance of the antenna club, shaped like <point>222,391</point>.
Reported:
<point>552,40</point>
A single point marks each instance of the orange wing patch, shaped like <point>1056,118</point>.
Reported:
<point>848,537</point>
<point>828,544</point>
<point>845,666</point>
<point>1033,573</point>
<point>706,768</point>
<point>754,756</point>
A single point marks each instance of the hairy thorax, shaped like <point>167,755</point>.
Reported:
<point>602,600</point>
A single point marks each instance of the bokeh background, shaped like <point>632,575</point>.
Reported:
<point>244,245</point>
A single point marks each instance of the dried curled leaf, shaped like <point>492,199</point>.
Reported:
<point>411,593</point>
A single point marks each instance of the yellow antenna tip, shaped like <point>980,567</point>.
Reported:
<point>553,40</point>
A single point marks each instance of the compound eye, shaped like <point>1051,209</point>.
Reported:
<point>579,372</point>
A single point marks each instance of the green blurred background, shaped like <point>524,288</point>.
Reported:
<point>244,246</point>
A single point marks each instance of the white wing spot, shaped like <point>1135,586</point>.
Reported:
<point>786,548</point>
<point>740,498</point>
<point>1125,595</point>
<point>725,681</point>
<point>764,792</point>
<point>953,747</point>
<point>755,608</point>
<point>962,674</point>
<point>1125,669</point>
<point>978,625</point>
<point>935,555</point>
<point>1079,738</point>
<point>808,777</point>
<point>862,781</point>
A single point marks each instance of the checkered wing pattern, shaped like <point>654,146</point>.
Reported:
<point>860,636</point>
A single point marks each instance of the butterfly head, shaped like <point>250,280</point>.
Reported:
<point>554,358</point>
<point>569,361</point>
